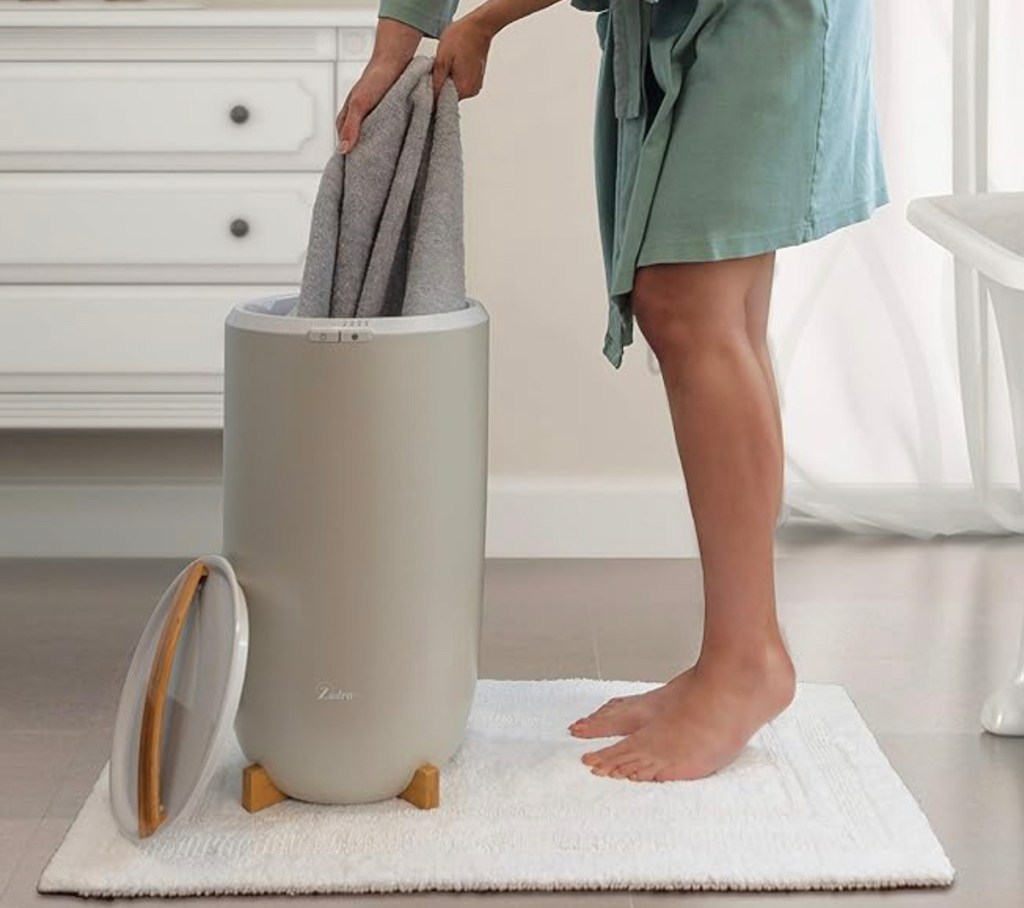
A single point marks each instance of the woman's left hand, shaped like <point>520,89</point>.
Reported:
<point>462,55</point>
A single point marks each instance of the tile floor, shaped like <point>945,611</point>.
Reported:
<point>918,632</point>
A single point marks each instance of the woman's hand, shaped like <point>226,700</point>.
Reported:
<point>462,55</point>
<point>393,48</point>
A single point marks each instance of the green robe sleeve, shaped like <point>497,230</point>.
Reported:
<point>430,16</point>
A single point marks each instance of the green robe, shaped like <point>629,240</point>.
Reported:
<point>723,129</point>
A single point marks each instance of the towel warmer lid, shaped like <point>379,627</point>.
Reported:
<point>179,698</point>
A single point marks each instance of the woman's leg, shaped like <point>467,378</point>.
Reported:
<point>624,715</point>
<point>727,428</point>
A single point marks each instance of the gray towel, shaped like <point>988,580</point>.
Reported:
<point>386,231</point>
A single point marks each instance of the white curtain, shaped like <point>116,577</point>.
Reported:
<point>864,324</point>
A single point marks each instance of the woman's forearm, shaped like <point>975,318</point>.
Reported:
<point>395,41</point>
<point>494,15</point>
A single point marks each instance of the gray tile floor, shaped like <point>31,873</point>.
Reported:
<point>918,632</point>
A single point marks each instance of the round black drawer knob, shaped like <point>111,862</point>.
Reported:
<point>239,113</point>
<point>239,227</point>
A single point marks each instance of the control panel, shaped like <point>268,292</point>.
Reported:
<point>356,330</point>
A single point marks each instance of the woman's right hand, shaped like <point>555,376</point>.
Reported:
<point>394,46</point>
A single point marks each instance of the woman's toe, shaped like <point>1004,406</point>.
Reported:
<point>625,768</point>
<point>582,723</point>
<point>596,729</point>
<point>598,757</point>
<point>645,772</point>
<point>610,707</point>
<point>607,758</point>
<point>613,766</point>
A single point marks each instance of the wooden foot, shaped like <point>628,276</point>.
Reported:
<point>258,792</point>
<point>424,791</point>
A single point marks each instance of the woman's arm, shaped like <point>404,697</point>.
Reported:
<point>499,13</point>
<point>432,17</point>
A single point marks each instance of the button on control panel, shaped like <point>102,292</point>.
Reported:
<point>352,330</point>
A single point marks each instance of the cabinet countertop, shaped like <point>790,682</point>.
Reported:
<point>206,13</point>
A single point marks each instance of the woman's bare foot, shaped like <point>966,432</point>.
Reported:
<point>710,721</point>
<point>624,715</point>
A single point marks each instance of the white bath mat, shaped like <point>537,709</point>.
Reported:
<point>812,803</point>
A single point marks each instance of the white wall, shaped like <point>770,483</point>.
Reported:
<point>560,407</point>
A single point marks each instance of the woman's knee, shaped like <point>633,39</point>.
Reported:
<point>678,309</point>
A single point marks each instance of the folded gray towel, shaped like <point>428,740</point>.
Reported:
<point>386,231</point>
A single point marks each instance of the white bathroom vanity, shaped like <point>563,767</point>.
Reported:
<point>158,165</point>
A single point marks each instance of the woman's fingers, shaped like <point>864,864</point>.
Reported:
<point>349,121</point>
<point>442,69</point>
<point>339,124</point>
<point>360,101</point>
<point>468,78</point>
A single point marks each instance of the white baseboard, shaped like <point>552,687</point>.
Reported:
<point>526,518</point>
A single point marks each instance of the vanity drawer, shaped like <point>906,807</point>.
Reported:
<point>65,338</point>
<point>124,356</point>
<point>159,228</point>
<point>167,115</point>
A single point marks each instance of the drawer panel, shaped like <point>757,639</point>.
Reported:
<point>166,228</point>
<point>67,339</point>
<point>166,116</point>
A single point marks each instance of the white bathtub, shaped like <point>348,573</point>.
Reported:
<point>985,231</point>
